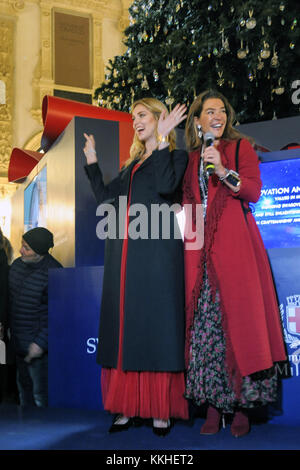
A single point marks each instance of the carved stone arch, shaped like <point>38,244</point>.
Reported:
<point>34,143</point>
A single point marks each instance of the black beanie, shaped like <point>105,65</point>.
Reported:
<point>39,239</point>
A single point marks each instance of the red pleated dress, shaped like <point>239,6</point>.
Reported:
<point>158,395</point>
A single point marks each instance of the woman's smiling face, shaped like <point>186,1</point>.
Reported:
<point>144,123</point>
<point>213,117</point>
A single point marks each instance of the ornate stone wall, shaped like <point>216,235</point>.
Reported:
<point>7,77</point>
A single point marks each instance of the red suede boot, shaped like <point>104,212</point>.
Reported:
<point>212,423</point>
<point>240,424</point>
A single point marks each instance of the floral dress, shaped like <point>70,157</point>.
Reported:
<point>207,377</point>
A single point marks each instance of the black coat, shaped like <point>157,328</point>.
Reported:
<point>28,298</point>
<point>154,290</point>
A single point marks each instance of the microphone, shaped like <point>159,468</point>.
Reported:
<point>209,139</point>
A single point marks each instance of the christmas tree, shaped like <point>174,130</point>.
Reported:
<point>247,50</point>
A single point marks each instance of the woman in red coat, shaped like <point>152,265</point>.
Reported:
<point>233,328</point>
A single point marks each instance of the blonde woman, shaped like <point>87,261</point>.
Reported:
<point>141,338</point>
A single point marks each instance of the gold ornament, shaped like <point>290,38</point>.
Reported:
<point>265,51</point>
<point>274,61</point>
<point>241,53</point>
<point>250,22</point>
<point>280,88</point>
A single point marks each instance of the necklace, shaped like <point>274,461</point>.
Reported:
<point>203,183</point>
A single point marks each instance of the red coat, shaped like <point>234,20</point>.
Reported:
<point>237,264</point>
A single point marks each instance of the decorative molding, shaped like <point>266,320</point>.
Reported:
<point>17,5</point>
<point>7,76</point>
<point>34,143</point>
<point>7,189</point>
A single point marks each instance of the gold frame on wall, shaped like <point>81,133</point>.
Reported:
<point>71,49</point>
<point>44,82</point>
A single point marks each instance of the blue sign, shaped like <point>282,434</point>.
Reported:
<point>277,212</point>
<point>74,312</point>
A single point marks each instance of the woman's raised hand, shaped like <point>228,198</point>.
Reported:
<point>167,122</point>
<point>90,149</point>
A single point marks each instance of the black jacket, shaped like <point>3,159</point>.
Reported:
<point>154,291</point>
<point>28,299</point>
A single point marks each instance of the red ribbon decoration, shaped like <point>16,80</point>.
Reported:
<point>57,113</point>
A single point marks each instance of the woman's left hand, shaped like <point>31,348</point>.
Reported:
<point>167,122</point>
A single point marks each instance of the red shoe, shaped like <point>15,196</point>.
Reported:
<point>240,424</point>
<point>212,423</point>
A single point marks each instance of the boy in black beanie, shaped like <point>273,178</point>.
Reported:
<point>28,312</point>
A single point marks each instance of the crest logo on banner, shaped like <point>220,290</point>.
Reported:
<point>290,316</point>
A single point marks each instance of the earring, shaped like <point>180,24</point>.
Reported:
<point>200,134</point>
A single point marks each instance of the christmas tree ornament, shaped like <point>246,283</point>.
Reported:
<point>132,95</point>
<point>294,24</point>
<point>242,22</point>
<point>265,51</point>
<point>155,75</point>
<point>242,53</point>
<point>292,45</point>
<point>282,6</point>
<point>261,111</point>
<point>145,84</point>
<point>274,60</point>
<point>260,64</point>
<point>169,100</point>
<point>279,90</point>
<point>250,22</point>
<point>269,21</point>
<point>220,80</point>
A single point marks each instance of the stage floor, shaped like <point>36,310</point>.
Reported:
<point>86,430</point>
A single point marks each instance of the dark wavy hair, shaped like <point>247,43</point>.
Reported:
<point>191,132</point>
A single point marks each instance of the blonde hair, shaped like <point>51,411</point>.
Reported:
<point>156,107</point>
<point>191,132</point>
